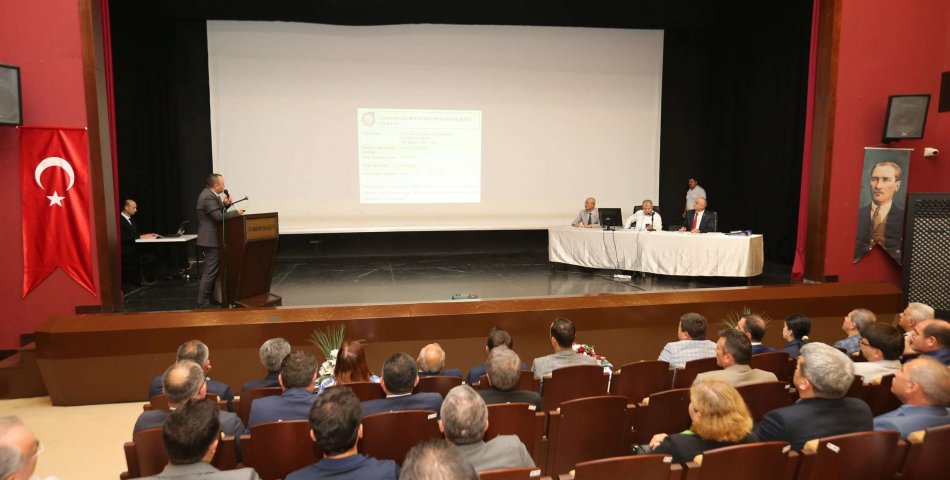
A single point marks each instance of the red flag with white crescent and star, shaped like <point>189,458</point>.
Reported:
<point>54,185</point>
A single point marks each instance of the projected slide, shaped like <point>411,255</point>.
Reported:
<point>419,156</point>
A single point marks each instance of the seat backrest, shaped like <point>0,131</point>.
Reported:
<point>440,384</point>
<point>779,363</point>
<point>927,457</point>
<point>364,390</point>
<point>521,473</point>
<point>714,220</point>
<point>571,383</point>
<point>752,460</point>
<point>638,380</point>
<point>519,419</point>
<point>683,378</point>
<point>150,456</point>
<point>853,456</point>
<point>390,435</point>
<point>160,402</point>
<point>644,467</point>
<point>879,396</point>
<point>585,429</point>
<point>761,398</point>
<point>666,412</point>
<point>253,394</point>
<point>276,449</point>
<point>526,381</point>
<point>637,208</point>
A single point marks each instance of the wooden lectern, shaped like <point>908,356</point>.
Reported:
<point>248,251</point>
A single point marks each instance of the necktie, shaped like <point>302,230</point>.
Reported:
<point>875,217</point>
<point>695,220</point>
<point>589,215</point>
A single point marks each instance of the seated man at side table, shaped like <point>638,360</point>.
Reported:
<point>464,422</point>
<point>753,325</point>
<point>923,385</point>
<point>562,340</point>
<point>645,219</point>
<point>696,220</point>
<point>692,343</point>
<point>399,378</point>
<point>588,217</point>
<point>882,346</point>
<point>733,354</point>
<point>298,373</point>
<point>431,362</point>
<point>503,375</point>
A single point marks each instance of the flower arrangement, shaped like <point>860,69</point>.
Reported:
<point>328,342</point>
<point>584,349</point>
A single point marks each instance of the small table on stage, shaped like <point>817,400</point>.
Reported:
<point>184,241</point>
<point>666,253</point>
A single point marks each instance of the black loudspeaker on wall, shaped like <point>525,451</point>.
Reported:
<point>906,117</point>
<point>11,106</point>
<point>926,265</point>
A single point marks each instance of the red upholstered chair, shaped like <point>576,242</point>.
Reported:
<point>761,398</point>
<point>160,402</point>
<point>752,460</point>
<point>664,412</point>
<point>440,384</point>
<point>585,429</point>
<point>878,395</point>
<point>145,455</point>
<point>248,397</point>
<point>854,456</point>
<point>683,378</point>
<point>390,435</point>
<point>571,383</point>
<point>276,449</point>
<point>525,382</point>
<point>927,457</point>
<point>364,390</point>
<point>638,467</point>
<point>524,473</point>
<point>779,363</point>
<point>638,380</point>
<point>519,419</point>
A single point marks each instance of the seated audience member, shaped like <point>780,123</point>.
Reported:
<point>503,375</point>
<point>795,332</point>
<point>431,362</point>
<point>464,422</point>
<point>350,367</point>
<point>336,424</point>
<point>272,353</point>
<point>19,450</point>
<point>753,325</point>
<point>881,345</point>
<point>298,373</point>
<point>698,220</point>
<point>931,338</point>
<point>497,337</point>
<point>719,416</point>
<point>191,435</point>
<point>646,219</point>
<point>399,377</point>
<point>733,354</point>
<point>196,351</point>
<point>562,340</point>
<point>181,382</point>
<point>923,385</point>
<point>588,216</point>
<point>853,325</point>
<point>436,460</point>
<point>692,343</point>
<point>909,318</point>
<point>822,378</point>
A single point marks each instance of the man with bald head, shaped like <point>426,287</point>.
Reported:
<point>923,386</point>
<point>753,325</point>
<point>931,338</point>
<point>431,362</point>
<point>19,450</point>
<point>697,220</point>
<point>588,216</point>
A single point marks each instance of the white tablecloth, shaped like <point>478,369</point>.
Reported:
<point>667,253</point>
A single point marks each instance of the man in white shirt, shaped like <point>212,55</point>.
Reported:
<point>694,193</point>
<point>645,219</point>
<point>882,345</point>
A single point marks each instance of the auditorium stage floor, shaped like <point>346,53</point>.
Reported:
<point>374,280</point>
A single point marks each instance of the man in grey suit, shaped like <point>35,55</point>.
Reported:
<point>733,354</point>
<point>923,385</point>
<point>464,422</point>
<point>562,340</point>
<point>211,210</point>
<point>190,435</point>
<point>588,217</point>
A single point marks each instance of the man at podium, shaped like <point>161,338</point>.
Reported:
<point>212,210</point>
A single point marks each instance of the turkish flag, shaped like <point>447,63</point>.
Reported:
<point>54,184</point>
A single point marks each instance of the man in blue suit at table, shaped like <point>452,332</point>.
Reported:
<point>399,377</point>
<point>698,220</point>
<point>923,385</point>
<point>298,375</point>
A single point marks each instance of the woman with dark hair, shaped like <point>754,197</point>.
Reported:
<point>350,367</point>
<point>795,332</point>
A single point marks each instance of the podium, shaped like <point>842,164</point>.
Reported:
<point>248,251</point>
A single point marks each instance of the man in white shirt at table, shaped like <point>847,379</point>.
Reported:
<point>645,219</point>
<point>587,217</point>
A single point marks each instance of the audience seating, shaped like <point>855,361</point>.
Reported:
<point>877,395</point>
<point>640,467</point>
<point>585,429</point>
<point>244,406</point>
<point>276,449</point>
<point>160,402</point>
<point>927,457</point>
<point>664,412</point>
<point>390,435</point>
<point>751,461</point>
<point>762,398</point>
<point>521,473</point>
<point>571,383</point>
<point>517,419</point>
<point>779,363</point>
<point>364,390</point>
<point>440,384</point>
<point>683,378</point>
<point>525,382</point>
<point>854,456</point>
<point>145,455</point>
<point>638,380</point>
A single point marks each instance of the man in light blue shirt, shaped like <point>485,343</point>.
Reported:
<point>853,325</point>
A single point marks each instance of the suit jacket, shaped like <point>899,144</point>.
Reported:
<point>129,233</point>
<point>705,223</point>
<point>269,381</point>
<point>209,211</point>
<point>793,348</point>
<point>942,355</point>
<point>582,216</point>
<point>204,471</point>
<point>503,451</point>
<point>494,396</point>
<point>222,390</point>
<point>811,418</point>
<point>356,467</point>
<point>893,232</point>
<point>684,447</point>
<point>416,401</point>
<point>761,348</point>
<point>911,418</point>
<point>563,358</point>
<point>475,373</point>
<point>292,404</point>
<point>230,423</point>
<point>446,372</point>
<point>738,375</point>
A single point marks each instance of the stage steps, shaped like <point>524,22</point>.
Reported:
<point>19,373</point>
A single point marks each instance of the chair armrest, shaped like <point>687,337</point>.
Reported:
<point>131,460</point>
<point>692,471</point>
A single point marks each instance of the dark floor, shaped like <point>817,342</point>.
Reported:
<point>372,280</point>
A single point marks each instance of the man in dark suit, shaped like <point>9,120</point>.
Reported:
<point>503,374</point>
<point>298,376</point>
<point>822,378</point>
<point>698,220</point>
<point>881,222</point>
<point>196,351</point>
<point>399,377</point>
<point>272,353</point>
<point>753,325</point>
<point>496,337</point>
<point>431,362</point>
<point>131,261</point>
<point>211,210</point>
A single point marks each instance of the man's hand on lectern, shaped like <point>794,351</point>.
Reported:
<point>240,211</point>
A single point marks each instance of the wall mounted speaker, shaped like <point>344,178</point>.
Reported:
<point>925,263</point>
<point>11,106</point>
<point>906,116</point>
